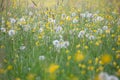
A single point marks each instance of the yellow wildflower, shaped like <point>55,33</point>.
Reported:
<point>53,68</point>
<point>17,78</point>
<point>78,46</point>
<point>69,57</point>
<point>31,76</point>
<point>2,71</point>
<point>79,56</point>
<point>10,67</point>
<point>106,58</point>
<point>37,43</point>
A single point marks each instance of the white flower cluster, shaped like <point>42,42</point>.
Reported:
<point>11,32</point>
<point>83,34</point>
<point>60,44</point>
<point>2,29</point>
<point>58,29</point>
<point>12,20</point>
<point>42,57</point>
<point>105,76</point>
<point>94,17</point>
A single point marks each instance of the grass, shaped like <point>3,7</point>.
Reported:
<point>61,42</point>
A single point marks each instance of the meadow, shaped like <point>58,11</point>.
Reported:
<point>60,40</point>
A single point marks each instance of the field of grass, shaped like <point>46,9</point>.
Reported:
<point>60,40</point>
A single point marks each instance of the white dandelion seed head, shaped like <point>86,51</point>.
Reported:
<point>81,34</point>
<point>30,13</point>
<point>3,21</point>
<point>58,29</point>
<point>11,32</point>
<point>89,15</point>
<point>12,20</point>
<point>50,20</point>
<point>22,47</point>
<point>26,28</point>
<point>63,16</point>
<point>40,30</point>
<point>99,31</point>
<point>73,14</point>
<point>66,44</point>
<point>3,29</point>
<point>98,18</point>
<point>87,35</point>
<point>83,15</point>
<point>105,27</point>
<point>75,20</point>
<point>103,76</point>
<point>112,77</point>
<point>91,37</point>
<point>22,19</point>
<point>42,57</point>
<point>55,42</point>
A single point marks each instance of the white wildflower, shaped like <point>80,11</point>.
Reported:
<point>30,13</point>
<point>99,31</point>
<point>105,27</point>
<point>22,47</point>
<point>22,19</point>
<point>98,18</point>
<point>58,29</point>
<point>12,20</point>
<point>81,34</point>
<point>2,29</point>
<point>11,32</point>
<point>42,57</point>
<point>63,16</point>
<point>112,77</point>
<point>66,44</point>
<point>75,20</point>
<point>87,35</point>
<point>103,76</point>
<point>91,37</point>
<point>56,43</point>
<point>73,14</point>
<point>26,28</point>
<point>40,30</point>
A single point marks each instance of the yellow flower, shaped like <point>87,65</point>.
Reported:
<point>79,56</point>
<point>86,47</point>
<point>67,51</point>
<point>101,68</point>
<point>2,46</point>
<point>68,18</point>
<point>118,56</point>
<point>2,71</point>
<point>69,57</point>
<point>53,68</point>
<point>72,77</point>
<point>83,72</point>
<point>67,63</point>
<point>83,66</point>
<point>106,58</point>
<point>10,67</point>
<point>31,76</point>
<point>91,68</point>
<point>17,79</point>
<point>78,46</point>
<point>97,78</point>
<point>90,61</point>
<point>118,72</point>
<point>37,43</point>
<point>113,49</point>
<point>97,43</point>
<point>96,60</point>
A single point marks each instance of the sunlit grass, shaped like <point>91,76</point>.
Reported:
<point>60,40</point>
